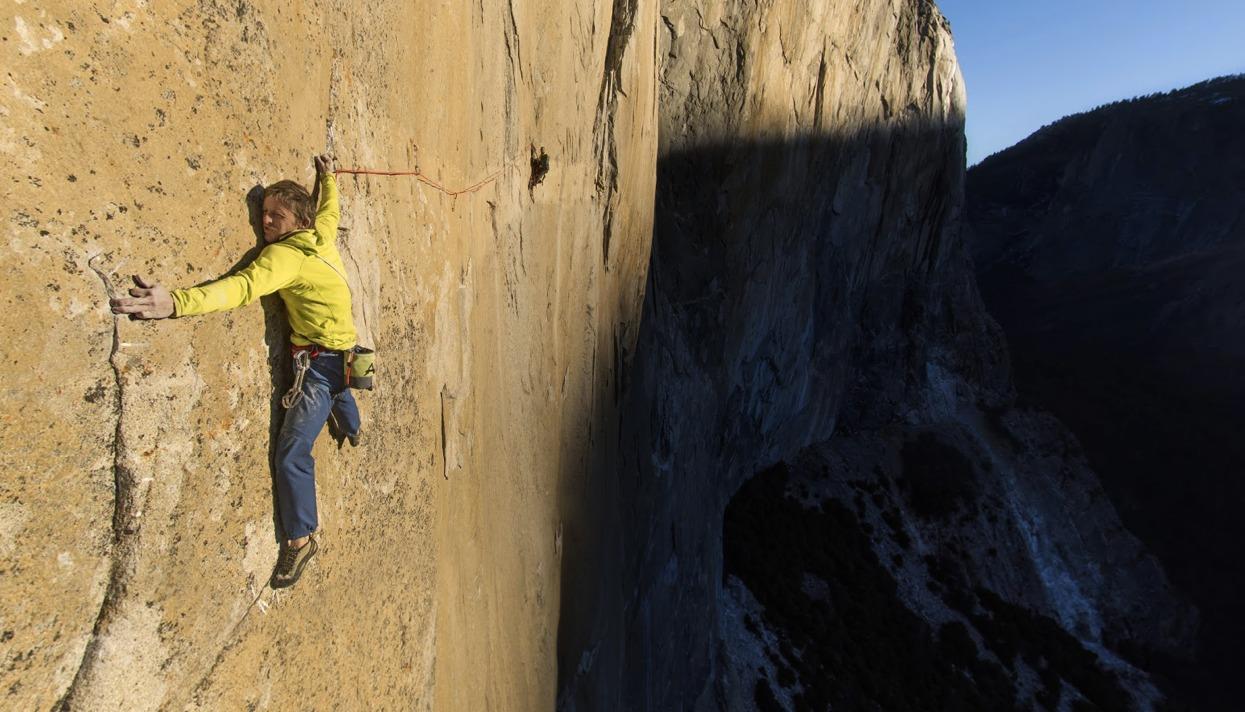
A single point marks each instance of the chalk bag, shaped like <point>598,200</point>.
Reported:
<point>360,367</point>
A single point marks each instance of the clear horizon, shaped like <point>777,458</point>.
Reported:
<point>1026,65</point>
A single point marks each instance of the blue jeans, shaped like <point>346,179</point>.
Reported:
<point>324,391</point>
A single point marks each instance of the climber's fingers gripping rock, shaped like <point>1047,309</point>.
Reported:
<point>324,163</point>
<point>146,301</point>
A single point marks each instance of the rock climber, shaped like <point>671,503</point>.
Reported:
<point>301,263</point>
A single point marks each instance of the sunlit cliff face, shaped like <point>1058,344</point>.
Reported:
<point>179,116</point>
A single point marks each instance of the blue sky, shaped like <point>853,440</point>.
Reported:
<point>1027,64</point>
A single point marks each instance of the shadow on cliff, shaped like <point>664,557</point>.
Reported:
<point>772,262</point>
<point>1161,427</point>
<point>795,288</point>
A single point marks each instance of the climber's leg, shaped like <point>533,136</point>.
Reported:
<point>295,466</point>
<point>344,418</point>
<point>346,415</point>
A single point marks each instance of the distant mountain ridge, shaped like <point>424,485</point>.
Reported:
<point>1109,245</point>
<point>1211,91</point>
<point>1136,169</point>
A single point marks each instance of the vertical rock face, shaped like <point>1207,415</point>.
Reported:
<point>1110,246</point>
<point>135,502</point>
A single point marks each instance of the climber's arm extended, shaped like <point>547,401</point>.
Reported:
<point>276,267</point>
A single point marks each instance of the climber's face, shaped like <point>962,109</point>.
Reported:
<point>278,219</point>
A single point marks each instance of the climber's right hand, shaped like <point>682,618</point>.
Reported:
<point>146,301</point>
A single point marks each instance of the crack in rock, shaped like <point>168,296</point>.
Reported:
<point>124,521</point>
<point>622,24</point>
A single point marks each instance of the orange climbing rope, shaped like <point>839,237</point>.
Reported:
<point>421,178</point>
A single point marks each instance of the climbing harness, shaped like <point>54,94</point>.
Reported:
<point>358,368</point>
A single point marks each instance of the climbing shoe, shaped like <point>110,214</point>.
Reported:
<point>335,432</point>
<point>291,563</point>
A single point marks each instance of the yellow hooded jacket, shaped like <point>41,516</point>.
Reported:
<point>305,268</point>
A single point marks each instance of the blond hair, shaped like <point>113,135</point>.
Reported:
<point>296,198</point>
